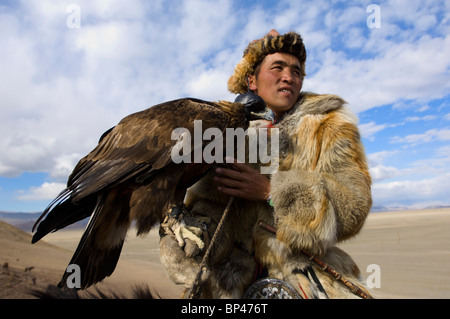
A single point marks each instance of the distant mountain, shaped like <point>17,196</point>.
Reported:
<point>380,208</point>
<point>25,221</point>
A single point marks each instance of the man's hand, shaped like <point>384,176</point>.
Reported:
<point>242,181</point>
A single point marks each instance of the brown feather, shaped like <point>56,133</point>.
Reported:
<point>130,176</point>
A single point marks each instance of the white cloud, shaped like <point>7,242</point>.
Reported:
<point>420,118</point>
<point>63,166</point>
<point>401,72</point>
<point>381,167</point>
<point>379,157</point>
<point>60,88</point>
<point>381,172</point>
<point>437,163</point>
<point>409,192</point>
<point>368,130</point>
<point>378,170</point>
<point>423,183</point>
<point>399,61</point>
<point>428,136</point>
<point>46,191</point>
<point>443,151</point>
<point>423,108</point>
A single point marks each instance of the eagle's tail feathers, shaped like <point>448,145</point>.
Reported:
<point>61,213</point>
<point>98,251</point>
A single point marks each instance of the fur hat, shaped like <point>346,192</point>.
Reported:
<point>257,50</point>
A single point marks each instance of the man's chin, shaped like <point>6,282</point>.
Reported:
<point>283,107</point>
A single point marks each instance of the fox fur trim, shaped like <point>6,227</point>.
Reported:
<point>321,192</point>
<point>255,53</point>
<point>321,195</point>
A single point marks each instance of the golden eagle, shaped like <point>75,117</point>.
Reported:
<point>130,176</point>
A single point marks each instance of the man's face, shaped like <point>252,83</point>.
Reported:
<point>279,81</point>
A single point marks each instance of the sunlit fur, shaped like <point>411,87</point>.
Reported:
<point>321,195</point>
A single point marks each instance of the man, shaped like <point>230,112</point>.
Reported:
<point>319,196</point>
<point>278,80</point>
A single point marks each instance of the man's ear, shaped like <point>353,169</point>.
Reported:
<point>251,82</point>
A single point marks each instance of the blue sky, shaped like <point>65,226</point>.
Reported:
<point>72,69</point>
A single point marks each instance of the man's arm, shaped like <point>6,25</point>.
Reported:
<point>326,195</point>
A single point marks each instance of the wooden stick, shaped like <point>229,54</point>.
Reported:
<point>357,290</point>
<point>197,285</point>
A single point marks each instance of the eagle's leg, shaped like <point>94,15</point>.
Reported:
<point>177,211</point>
<point>185,231</point>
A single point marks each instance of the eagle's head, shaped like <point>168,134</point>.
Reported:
<point>255,107</point>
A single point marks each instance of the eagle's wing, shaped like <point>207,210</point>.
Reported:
<point>140,144</point>
<point>105,182</point>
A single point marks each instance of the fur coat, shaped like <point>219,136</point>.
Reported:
<point>321,195</point>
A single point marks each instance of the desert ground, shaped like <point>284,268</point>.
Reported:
<point>403,254</point>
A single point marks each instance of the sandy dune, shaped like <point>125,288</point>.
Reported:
<point>411,249</point>
<point>139,263</point>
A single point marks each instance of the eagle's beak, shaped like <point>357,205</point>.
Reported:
<point>267,114</point>
<point>251,102</point>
